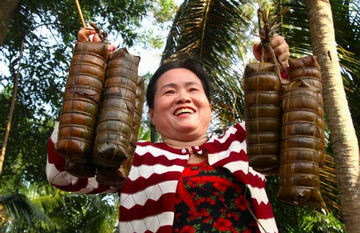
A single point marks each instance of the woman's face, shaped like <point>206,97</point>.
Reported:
<point>181,109</point>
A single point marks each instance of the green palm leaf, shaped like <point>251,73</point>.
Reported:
<point>19,208</point>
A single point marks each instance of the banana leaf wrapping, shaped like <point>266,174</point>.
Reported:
<point>116,116</point>
<point>262,116</point>
<point>139,103</point>
<point>80,107</point>
<point>116,176</point>
<point>302,134</point>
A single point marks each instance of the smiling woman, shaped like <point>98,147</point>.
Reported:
<point>195,183</point>
<point>181,113</point>
<point>188,182</point>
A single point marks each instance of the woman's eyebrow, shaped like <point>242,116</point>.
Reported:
<point>192,83</point>
<point>173,85</point>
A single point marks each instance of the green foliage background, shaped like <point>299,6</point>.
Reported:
<point>48,29</point>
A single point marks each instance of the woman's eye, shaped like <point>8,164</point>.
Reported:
<point>169,92</point>
<point>193,89</point>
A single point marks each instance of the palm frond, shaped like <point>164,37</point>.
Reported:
<point>208,30</point>
<point>87,213</point>
<point>19,208</point>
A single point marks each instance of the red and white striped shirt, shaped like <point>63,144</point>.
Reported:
<point>147,198</point>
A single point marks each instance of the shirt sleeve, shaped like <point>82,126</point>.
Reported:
<point>60,178</point>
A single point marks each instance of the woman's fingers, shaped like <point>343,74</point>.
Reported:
<point>257,51</point>
<point>96,38</point>
<point>281,49</point>
<point>111,48</point>
<point>84,34</point>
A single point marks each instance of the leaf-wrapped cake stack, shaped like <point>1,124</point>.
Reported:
<point>262,116</point>
<point>80,107</point>
<point>115,120</point>
<point>123,171</point>
<point>302,137</point>
<point>139,103</point>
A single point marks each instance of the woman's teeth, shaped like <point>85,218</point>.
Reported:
<point>183,111</point>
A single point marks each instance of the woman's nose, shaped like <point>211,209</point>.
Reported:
<point>183,97</point>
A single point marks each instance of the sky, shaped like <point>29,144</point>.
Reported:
<point>150,58</point>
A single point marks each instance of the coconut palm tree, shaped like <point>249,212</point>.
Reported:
<point>17,207</point>
<point>42,208</point>
<point>345,144</point>
<point>342,132</point>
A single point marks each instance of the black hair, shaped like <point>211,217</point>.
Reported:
<point>189,64</point>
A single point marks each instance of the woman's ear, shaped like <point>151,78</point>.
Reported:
<point>151,114</point>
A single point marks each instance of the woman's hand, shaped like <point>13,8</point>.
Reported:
<point>280,47</point>
<point>84,34</point>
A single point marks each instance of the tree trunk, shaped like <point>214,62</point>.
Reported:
<point>7,8</point>
<point>12,106</point>
<point>343,137</point>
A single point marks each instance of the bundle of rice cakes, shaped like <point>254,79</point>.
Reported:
<point>302,134</point>
<point>101,113</point>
